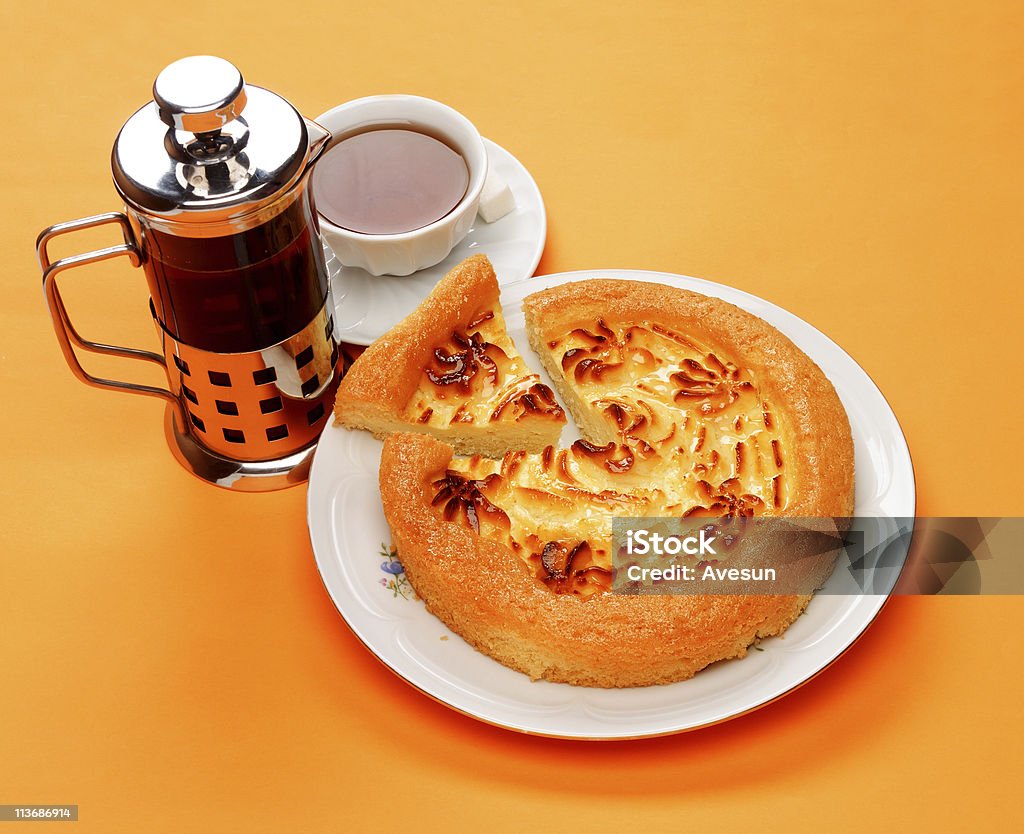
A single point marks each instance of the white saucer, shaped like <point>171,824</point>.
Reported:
<point>367,306</point>
<point>348,532</point>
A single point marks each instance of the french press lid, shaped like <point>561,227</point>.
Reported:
<point>209,147</point>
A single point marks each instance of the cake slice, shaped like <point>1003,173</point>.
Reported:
<point>450,370</point>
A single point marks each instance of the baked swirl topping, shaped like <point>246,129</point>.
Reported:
<point>461,367</point>
<point>449,369</point>
<point>672,412</point>
<point>688,407</point>
<point>476,376</point>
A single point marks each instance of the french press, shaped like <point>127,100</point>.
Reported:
<point>214,175</point>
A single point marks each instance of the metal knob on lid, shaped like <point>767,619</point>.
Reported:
<point>211,149</point>
<point>199,94</point>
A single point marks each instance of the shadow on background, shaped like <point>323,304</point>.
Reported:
<point>781,733</point>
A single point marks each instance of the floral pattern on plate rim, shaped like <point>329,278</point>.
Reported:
<point>396,581</point>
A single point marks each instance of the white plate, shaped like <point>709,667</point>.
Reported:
<point>367,306</point>
<point>347,529</point>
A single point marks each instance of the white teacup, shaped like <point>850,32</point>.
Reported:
<point>407,252</point>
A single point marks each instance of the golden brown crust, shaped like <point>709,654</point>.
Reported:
<point>388,371</point>
<point>819,430</point>
<point>388,387</point>
<point>482,591</point>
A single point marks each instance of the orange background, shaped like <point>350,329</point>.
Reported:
<point>168,658</point>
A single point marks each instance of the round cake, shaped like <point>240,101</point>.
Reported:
<point>689,407</point>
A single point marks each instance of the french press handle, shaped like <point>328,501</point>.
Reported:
<point>67,335</point>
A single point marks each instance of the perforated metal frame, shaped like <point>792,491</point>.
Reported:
<point>261,405</point>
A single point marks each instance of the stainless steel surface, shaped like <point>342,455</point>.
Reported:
<point>242,421</point>
<point>199,94</point>
<point>211,151</point>
<point>240,476</point>
<point>260,405</point>
<point>67,335</point>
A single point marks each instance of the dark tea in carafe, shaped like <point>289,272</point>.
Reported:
<point>240,292</point>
